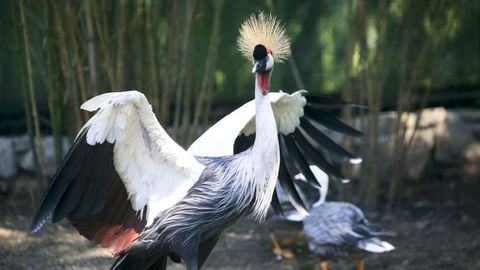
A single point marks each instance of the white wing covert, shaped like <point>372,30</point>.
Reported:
<point>155,170</point>
<point>121,172</point>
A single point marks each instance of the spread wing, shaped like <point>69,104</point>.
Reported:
<point>302,119</point>
<point>122,170</point>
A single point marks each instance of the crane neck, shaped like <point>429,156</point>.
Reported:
<point>264,156</point>
<point>265,125</point>
<point>323,179</point>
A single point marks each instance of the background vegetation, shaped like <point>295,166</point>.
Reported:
<point>400,55</point>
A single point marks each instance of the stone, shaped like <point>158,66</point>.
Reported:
<point>8,166</point>
<point>455,140</point>
<point>418,155</point>
<point>26,161</point>
<point>21,144</point>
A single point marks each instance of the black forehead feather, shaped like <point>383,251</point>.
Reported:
<point>259,52</point>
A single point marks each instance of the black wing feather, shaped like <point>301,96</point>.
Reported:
<point>317,158</point>
<point>286,182</point>
<point>330,121</point>
<point>78,196</point>
<point>242,143</point>
<point>276,205</point>
<point>318,138</point>
<point>65,190</point>
<point>297,160</point>
<point>329,102</point>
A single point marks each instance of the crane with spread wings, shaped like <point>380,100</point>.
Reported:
<point>127,186</point>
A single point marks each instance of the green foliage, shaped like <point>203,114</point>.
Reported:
<point>449,31</point>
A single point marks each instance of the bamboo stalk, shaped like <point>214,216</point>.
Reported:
<point>187,108</point>
<point>25,92</point>
<point>92,67</point>
<point>66,67</point>
<point>150,40</point>
<point>374,94</point>
<point>120,54</point>
<point>33,103</point>
<point>405,103</point>
<point>52,89</point>
<point>347,116</point>
<point>102,32</point>
<point>295,72</point>
<point>209,70</point>
<point>77,61</point>
<point>167,63</point>
<point>291,59</point>
<point>139,46</point>
<point>183,66</point>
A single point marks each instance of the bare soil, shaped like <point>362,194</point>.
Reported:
<point>430,236</point>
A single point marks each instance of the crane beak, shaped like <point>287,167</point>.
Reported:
<point>259,66</point>
<point>263,76</point>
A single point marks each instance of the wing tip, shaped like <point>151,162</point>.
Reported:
<point>36,226</point>
<point>356,160</point>
<point>377,246</point>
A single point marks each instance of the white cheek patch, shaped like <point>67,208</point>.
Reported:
<point>270,61</point>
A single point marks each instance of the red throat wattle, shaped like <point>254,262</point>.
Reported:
<point>263,82</point>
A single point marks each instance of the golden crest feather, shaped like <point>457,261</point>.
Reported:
<point>266,30</point>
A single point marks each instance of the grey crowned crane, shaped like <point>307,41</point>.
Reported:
<point>338,230</point>
<point>127,186</point>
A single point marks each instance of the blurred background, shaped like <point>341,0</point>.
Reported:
<point>415,64</point>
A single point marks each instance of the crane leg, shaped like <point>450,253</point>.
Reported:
<point>323,265</point>
<point>187,251</point>
<point>361,265</point>
<point>292,239</point>
<point>205,249</point>
<point>278,251</point>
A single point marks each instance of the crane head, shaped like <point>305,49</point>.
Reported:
<point>262,66</point>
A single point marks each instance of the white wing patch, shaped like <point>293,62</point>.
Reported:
<point>375,245</point>
<point>155,170</point>
<point>220,138</point>
<point>287,109</point>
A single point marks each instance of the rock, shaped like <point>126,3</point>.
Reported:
<point>456,141</point>
<point>8,167</point>
<point>21,144</point>
<point>26,161</point>
<point>418,155</point>
<point>422,224</point>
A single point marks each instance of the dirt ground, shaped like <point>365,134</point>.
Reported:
<point>430,236</point>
